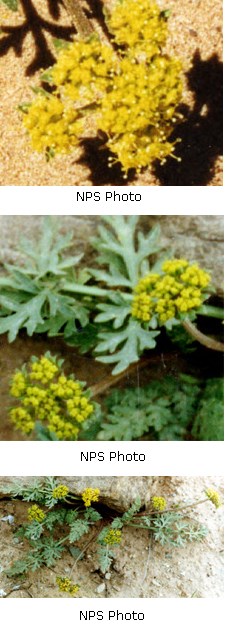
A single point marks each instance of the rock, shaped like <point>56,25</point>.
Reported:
<point>195,237</point>
<point>115,492</point>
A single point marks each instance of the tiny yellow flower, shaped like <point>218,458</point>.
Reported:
<point>214,497</point>
<point>60,492</point>
<point>65,585</point>
<point>35,514</point>
<point>89,495</point>
<point>112,537</point>
<point>159,503</point>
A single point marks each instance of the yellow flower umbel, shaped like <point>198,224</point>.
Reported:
<point>89,495</point>
<point>48,396</point>
<point>131,92</point>
<point>159,503</point>
<point>36,514</point>
<point>180,289</point>
<point>214,497</point>
<point>66,585</point>
<point>112,537</point>
<point>60,492</point>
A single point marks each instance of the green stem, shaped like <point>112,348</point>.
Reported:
<point>211,311</point>
<point>93,291</point>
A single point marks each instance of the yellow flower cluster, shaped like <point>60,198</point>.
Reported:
<point>178,290</point>
<point>214,497</point>
<point>43,370</point>
<point>35,514</point>
<point>83,69</point>
<point>89,495</point>
<point>60,492</point>
<point>131,95</point>
<point>138,26</point>
<point>137,113</point>
<point>62,405</point>
<point>66,585</point>
<point>112,537</point>
<point>159,503</point>
<point>52,125</point>
<point>22,420</point>
<point>18,385</point>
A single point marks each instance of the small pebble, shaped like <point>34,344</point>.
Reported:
<point>108,576</point>
<point>100,588</point>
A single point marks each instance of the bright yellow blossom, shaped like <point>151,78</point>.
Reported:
<point>179,289</point>
<point>131,94</point>
<point>214,497</point>
<point>89,495</point>
<point>60,491</point>
<point>112,537</point>
<point>65,585</point>
<point>62,405</point>
<point>35,514</point>
<point>159,503</point>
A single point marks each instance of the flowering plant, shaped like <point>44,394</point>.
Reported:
<point>129,89</point>
<point>116,309</point>
<point>56,523</point>
<point>53,405</point>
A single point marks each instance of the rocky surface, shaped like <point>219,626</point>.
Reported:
<point>115,492</point>
<point>198,237</point>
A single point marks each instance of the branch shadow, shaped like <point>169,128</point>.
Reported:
<point>95,156</point>
<point>37,26</point>
<point>201,129</point>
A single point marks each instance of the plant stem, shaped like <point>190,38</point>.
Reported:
<point>79,18</point>
<point>211,311</point>
<point>93,291</point>
<point>208,342</point>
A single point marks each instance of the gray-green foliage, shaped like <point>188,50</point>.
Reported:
<point>163,410</point>
<point>174,529</point>
<point>32,295</point>
<point>124,253</point>
<point>209,420</point>
<point>123,256</point>
<point>68,522</point>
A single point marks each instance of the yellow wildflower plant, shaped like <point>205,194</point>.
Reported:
<point>180,289</point>
<point>158,503</point>
<point>112,537</point>
<point>129,89</point>
<point>214,497</point>
<point>65,585</point>
<point>60,491</point>
<point>47,396</point>
<point>36,514</point>
<point>89,495</point>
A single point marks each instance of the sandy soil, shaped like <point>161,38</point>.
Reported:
<point>26,46</point>
<point>141,569</point>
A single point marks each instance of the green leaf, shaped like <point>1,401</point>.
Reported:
<point>128,344</point>
<point>28,316</point>
<point>105,557</point>
<point>125,254</point>
<point>77,529</point>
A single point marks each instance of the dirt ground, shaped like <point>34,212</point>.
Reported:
<point>195,28</point>
<point>141,569</point>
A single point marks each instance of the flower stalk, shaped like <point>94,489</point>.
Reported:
<point>79,18</point>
